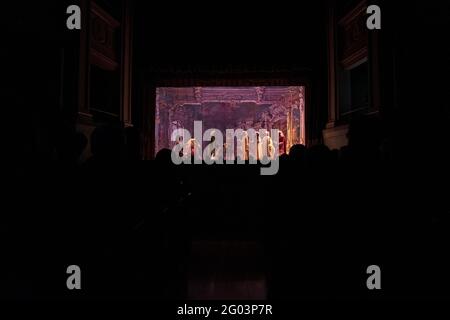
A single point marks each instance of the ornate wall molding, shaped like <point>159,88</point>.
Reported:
<point>104,31</point>
<point>353,36</point>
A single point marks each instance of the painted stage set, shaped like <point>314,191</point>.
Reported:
<point>222,108</point>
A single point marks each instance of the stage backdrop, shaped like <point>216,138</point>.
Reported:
<point>224,108</point>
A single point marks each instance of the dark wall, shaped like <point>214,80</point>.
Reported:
<point>414,76</point>
<point>205,41</point>
<point>236,41</point>
<point>30,83</point>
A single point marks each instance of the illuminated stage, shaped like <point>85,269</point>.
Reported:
<point>222,108</point>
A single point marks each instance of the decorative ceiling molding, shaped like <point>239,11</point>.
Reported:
<point>257,95</point>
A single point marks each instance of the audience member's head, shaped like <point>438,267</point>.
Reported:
<point>164,156</point>
<point>365,136</point>
<point>319,157</point>
<point>80,143</point>
<point>70,145</point>
<point>297,152</point>
<point>132,144</point>
<point>283,157</point>
<point>107,143</point>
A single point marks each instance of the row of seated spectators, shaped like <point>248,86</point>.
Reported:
<point>110,143</point>
<point>326,216</point>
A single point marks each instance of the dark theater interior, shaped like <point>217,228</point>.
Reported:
<point>89,177</point>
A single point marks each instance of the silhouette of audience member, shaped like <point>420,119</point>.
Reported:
<point>364,140</point>
<point>334,156</point>
<point>132,144</point>
<point>283,157</point>
<point>106,144</point>
<point>164,156</point>
<point>80,144</point>
<point>69,146</point>
<point>319,157</point>
<point>297,153</point>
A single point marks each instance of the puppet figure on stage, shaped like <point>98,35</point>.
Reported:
<point>270,147</point>
<point>281,143</point>
<point>214,149</point>
<point>245,146</point>
<point>179,141</point>
<point>194,148</point>
<point>266,147</point>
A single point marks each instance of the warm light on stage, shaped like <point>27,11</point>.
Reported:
<point>223,108</point>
